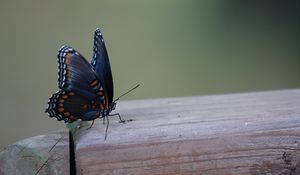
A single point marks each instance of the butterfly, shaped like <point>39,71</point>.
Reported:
<point>86,89</point>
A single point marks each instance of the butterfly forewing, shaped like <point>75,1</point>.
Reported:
<point>75,73</point>
<point>100,64</point>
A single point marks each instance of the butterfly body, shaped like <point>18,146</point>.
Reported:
<point>86,90</point>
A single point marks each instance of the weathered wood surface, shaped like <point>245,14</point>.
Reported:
<point>250,133</point>
<point>45,154</point>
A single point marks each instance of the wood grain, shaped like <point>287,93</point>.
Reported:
<point>42,155</point>
<point>248,133</point>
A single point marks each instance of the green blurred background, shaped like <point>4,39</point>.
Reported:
<point>172,48</point>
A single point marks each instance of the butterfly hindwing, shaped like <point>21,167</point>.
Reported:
<point>69,106</point>
<point>100,64</point>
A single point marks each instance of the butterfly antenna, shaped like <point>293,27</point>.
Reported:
<point>127,92</point>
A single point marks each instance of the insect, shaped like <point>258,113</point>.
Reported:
<point>86,90</point>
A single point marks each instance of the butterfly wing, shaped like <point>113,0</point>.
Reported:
<point>79,86</point>
<point>75,73</point>
<point>70,106</point>
<point>100,64</point>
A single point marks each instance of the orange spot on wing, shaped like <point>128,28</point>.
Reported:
<point>68,57</point>
<point>67,114</point>
<point>68,74</point>
<point>71,93</point>
<point>60,109</point>
<point>64,96</point>
<point>61,100</point>
<point>60,104</point>
<point>67,61</point>
<point>94,83</point>
<point>72,117</point>
<point>84,106</point>
<point>101,93</point>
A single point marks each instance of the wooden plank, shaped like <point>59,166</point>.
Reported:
<point>250,133</point>
<point>45,154</point>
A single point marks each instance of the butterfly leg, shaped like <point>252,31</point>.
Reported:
<point>91,125</point>
<point>121,120</point>
<point>106,126</point>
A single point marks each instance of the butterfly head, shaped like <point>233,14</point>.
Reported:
<point>107,111</point>
<point>113,106</point>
